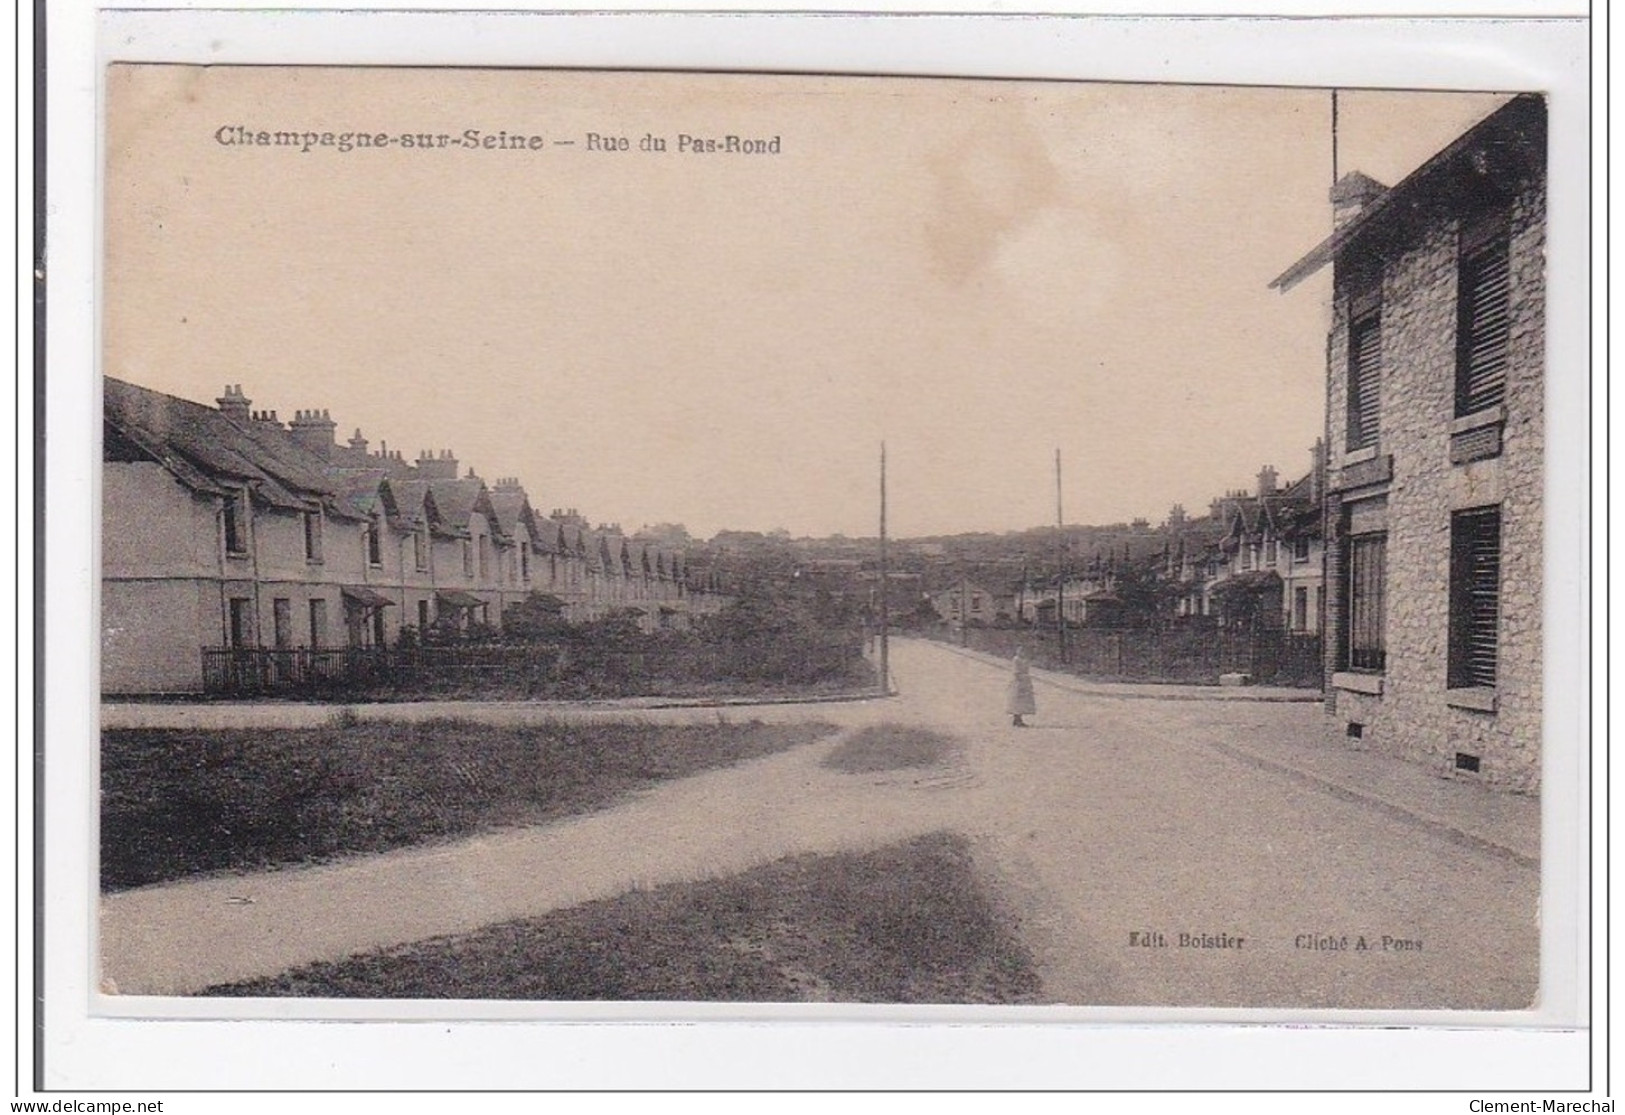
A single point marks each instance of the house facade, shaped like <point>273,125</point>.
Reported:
<point>1435,439</point>
<point>225,529</point>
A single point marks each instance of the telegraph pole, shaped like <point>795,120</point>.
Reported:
<point>1060,565</point>
<point>885,606</point>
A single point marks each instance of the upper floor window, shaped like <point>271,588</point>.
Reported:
<point>313,536</point>
<point>420,548</point>
<point>375,552</point>
<point>468,558</point>
<point>1483,315</point>
<point>524,561</point>
<point>235,520</point>
<point>1365,371</point>
<point>1300,550</point>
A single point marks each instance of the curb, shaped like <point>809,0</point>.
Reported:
<point>1438,826</point>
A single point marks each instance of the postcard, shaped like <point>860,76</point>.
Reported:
<point>699,544</point>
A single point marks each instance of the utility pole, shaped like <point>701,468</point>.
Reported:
<point>1060,565</point>
<point>1334,137</point>
<point>964,610</point>
<point>885,606</point>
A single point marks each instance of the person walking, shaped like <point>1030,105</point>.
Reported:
<point>1020,700</point>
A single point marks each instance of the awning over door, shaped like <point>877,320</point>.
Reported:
<point>365,597</point>
<point>456,598</point>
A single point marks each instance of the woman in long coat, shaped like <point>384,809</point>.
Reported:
<point>1020,701</point>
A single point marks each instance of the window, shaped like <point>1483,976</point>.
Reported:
<point>468,558</point>
<point>235,520</point>
<point>1365,373</point>
<point>241,619</point>
<point>318,623</point>
<point>423,616</point>
<point>282,622</point>
<point>375,555</point>
<point>1483,315</point>
<point>524,561</point>
<point>484,545</point>
<point>1270,554</point>
<point>1475,597</point>
<point>313,536</point>
<point>1300,550</point>
<point>1300,609</point>
<point>1366,648</point>
<point>420,548</point>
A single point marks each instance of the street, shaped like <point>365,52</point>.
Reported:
<point>1148,862</point>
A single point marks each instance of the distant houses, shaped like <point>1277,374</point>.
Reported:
<point>223,527</point>
<point>1436,435</point>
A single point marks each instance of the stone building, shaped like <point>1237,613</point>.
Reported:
<point>1435,425</point>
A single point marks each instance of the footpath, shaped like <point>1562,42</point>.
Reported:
<point>1457,808</point>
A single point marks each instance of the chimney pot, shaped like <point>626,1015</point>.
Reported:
<point>1351,194</point>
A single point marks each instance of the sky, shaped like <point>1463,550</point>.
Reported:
<point>975,273</point>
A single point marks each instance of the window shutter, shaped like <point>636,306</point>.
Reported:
<point>1484,322</point>
<point>1365,376</point>
<point>1475,612</point>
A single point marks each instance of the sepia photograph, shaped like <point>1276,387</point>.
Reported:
<point>586,536</point>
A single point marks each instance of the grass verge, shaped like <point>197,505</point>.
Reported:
<point>176,803</point>
<point>890,747</point>
<point>907,923</point>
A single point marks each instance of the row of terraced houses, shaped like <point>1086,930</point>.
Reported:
<point>225,528</point>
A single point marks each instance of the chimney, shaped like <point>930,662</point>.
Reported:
<point>234,404</point>
<point>1176,515</point>
<point>1215,510</point>
<point>313,431</point>
<point>432,467</point>
<point>1352,193</point>
<point>358,443</point>
<point>267,418</point>
<point>1266,481</point>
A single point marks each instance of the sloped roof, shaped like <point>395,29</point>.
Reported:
<point>512,510</point>
<point>206,451</point>
<point>575,539</point>
<point>1511,140</point>
<point>412,501</point>
<point>360,494</point>
<point>456,500</point>
<point>549,536</point>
